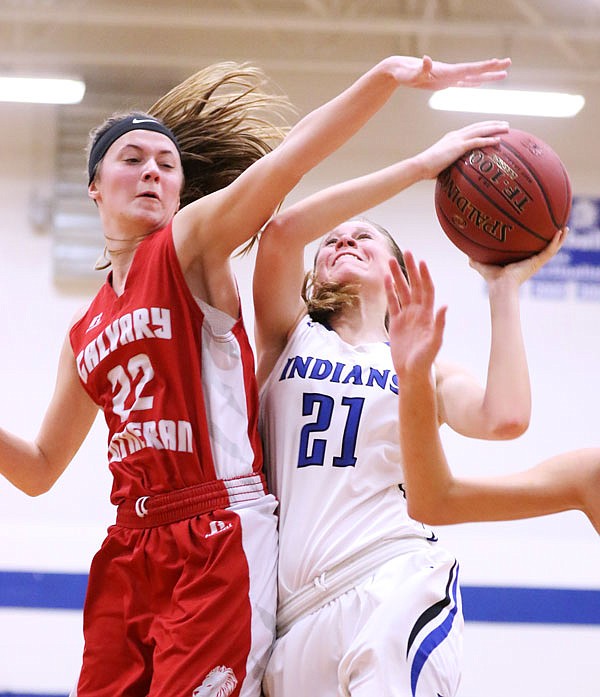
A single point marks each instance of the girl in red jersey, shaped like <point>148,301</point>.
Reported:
<point>181,595</point>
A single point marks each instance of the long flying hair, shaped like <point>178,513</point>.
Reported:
<point>225,117</point>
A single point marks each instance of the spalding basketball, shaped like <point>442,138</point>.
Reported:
<point>505,202</point>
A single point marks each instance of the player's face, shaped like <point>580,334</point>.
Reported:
<point>139,180</point>
<point>353,252</point>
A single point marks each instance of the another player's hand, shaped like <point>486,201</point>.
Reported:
<point>415,330</point>
<point>456,143</point>
<point>520,271</point>
<point>425,73</point>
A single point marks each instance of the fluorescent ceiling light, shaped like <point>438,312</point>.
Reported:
<point>41,90</point>
<point>488,101</point>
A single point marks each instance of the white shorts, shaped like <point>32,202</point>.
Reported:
<point>396,634</point>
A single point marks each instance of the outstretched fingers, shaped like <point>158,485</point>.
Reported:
<point>455,144</point>
<point>419,288</point>
<point>392,292</point>
<point>469,74</point>
<point>479,72</point>
<point>398,283</point>
<point>427,287</point>
<point>416,331</point>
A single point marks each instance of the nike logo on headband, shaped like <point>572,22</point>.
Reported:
<point>143,121</point>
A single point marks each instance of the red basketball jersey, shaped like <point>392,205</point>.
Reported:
<point>141,357</point>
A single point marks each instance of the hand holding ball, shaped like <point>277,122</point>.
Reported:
<point>505,202</point>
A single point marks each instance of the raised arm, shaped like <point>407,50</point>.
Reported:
<point>34,466</point>
<point>279,271</point>
<point>569,481</point>
<point>502,409</point>
<point>221,222</point>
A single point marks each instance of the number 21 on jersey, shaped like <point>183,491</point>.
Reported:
<point>316,439</point>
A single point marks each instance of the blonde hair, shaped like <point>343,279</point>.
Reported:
<point>224,119</point>
<point>323,300</point>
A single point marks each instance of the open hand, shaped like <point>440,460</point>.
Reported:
<point>415,331</point>
<point>425,73</point>
<point>520,271</point>
<point>456,143</point>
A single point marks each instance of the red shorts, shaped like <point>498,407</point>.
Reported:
<point>173,609</point>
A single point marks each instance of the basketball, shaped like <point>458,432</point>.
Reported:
<point>505,202</point>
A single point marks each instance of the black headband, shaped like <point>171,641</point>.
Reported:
<point>119,128</point>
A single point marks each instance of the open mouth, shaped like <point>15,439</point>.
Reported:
<point>346,254</point>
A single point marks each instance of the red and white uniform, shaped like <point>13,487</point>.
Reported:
<point>182,592</point>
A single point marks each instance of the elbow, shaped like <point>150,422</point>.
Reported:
<point>277,226</point>
<point>427,512</point>
<point>35,489</point>
<point>509,428</point>
<point>281,232</point>
<point>39,480</point>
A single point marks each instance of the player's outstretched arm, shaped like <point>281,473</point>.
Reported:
<point>279,271</point>
<point>223,221</point>
<point>34,466</point>
<point>502,409</point>
<point>569,481</point>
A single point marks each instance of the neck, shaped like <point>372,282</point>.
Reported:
<point>122,235</point>
<point>122,247</point>
<point>119,253</point>
<point>360,325</point>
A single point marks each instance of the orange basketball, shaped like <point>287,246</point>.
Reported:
<point>505,202</point>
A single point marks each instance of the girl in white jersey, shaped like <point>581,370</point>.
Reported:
<point>181,595</point>
<point>368,602</point>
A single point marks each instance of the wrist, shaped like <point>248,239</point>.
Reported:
<point>415,377</point>
<point>418,168</point>
<point>502,286</point>
<point>399,68</point>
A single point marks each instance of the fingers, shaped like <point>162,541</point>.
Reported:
<point>550,249</point>
<point>414,279</point>
<point>476,80</point>
<point>400,283</point>
<point>486,128</point>
<point>440,321</point>
<point>410,305</point>
<point>560,238</point>
<point>428,289</point>
<point>427,65</point>
<point>482,134</point>
<point>419,289</point>
<point>393,301</point>
<point>555,244</point>
<point>485,70</point>
<point>490,64</point>
<point>480,72</point>
<point>439,325</point>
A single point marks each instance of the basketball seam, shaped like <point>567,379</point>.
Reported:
<point>507,214</point>
<point>534,174</point>
<point>494,250</point>
<point>569,196</point>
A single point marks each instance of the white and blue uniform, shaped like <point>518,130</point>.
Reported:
<point>368,602</point>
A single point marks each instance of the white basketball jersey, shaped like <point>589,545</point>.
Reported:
<point>329,418</point>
